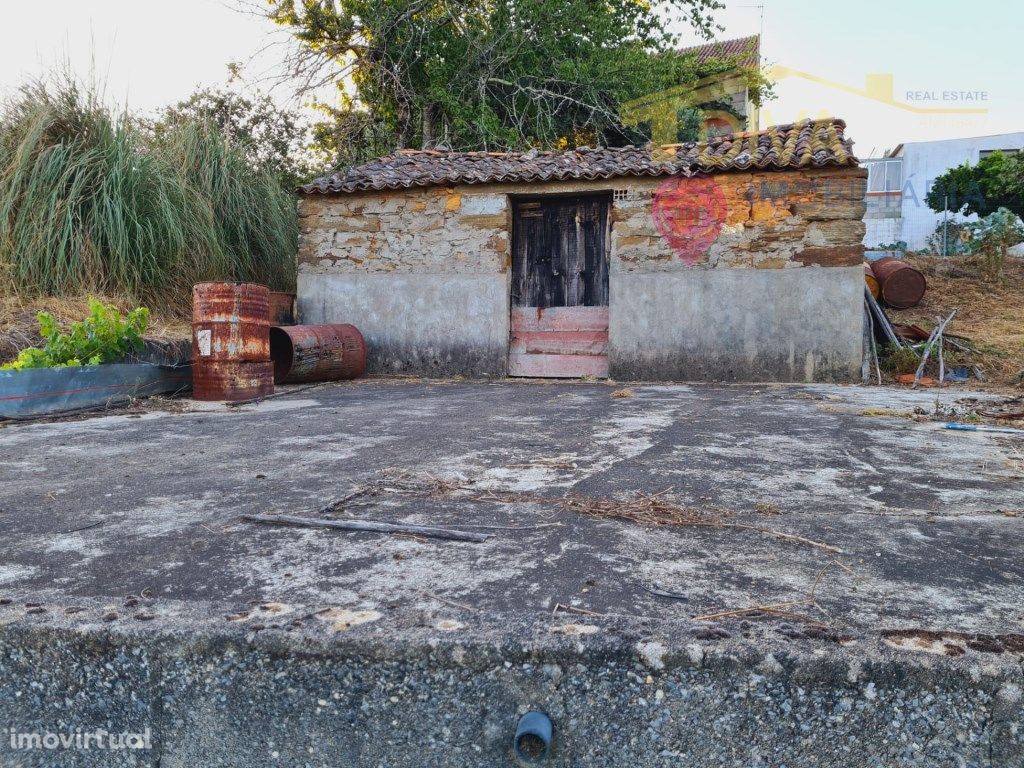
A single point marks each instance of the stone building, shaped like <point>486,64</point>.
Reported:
<point>735,259</point>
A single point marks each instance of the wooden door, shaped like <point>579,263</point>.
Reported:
<point>560,288</point>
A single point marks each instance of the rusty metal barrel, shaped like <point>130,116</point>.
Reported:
<point>230,322</point>
<point>317,353</point>
<point>901,286</point>
<point>870,280</point>
<point>282,308</point>
<point>218,380</point>
<point>231,341</point>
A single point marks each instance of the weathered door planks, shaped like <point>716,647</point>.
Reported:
<point>560,288</point>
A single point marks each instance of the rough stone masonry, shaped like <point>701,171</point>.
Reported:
<point>729,276</point>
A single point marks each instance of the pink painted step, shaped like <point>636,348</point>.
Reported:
<point>558,366</point>
<point>560,319</point>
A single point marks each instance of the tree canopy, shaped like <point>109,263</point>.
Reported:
<point>487,74</point>
<point>997,181</point>
<point>274,139</point>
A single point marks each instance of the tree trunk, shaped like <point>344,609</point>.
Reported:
<point>429,121</point>
<point>403,122</point>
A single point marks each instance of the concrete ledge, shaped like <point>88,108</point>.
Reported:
<point>227,699</point>
<point>430,325</point>
<point>737,325</point>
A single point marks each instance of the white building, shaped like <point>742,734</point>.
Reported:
<point>898,183</point>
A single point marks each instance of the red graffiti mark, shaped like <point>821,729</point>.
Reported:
<point>689,214</point>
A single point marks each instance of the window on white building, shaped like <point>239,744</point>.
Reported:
<point>885,175</point>
<point>885,186</point>
<point>986,152</point>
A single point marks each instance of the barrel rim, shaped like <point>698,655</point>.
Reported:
<point>234,283</point>
<point>285,357</point>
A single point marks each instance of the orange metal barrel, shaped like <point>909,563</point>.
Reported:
<point>231,341</point>
<point>230,381</point>
<point>230,321</point>
<point>870,280</point>
<point>900,284</point>
<point>282,308</point>
<point>317,353</point>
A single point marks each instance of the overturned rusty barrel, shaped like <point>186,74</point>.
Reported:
<point>282,308</point>
<point>231,342</point>
<point>317,353</point>
<point>870,280</point>
<point>900,285</point>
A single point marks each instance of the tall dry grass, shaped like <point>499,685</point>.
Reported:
<point>92,200</point>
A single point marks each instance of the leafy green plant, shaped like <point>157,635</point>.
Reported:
<point>990,237</point>
<point>899,245</point>
<point>950,238</point>
<point>997,181</point>
<point>103,337</point>
<point>995,235</point>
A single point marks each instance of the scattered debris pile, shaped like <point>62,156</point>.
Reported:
<point>648,509</point>
<point>990,310</point>
<point>905,345</point>
<point>984,342</point>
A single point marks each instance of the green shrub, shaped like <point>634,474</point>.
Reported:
<point>897,360</point>
<point>103,337</point>
<point>990,237</point>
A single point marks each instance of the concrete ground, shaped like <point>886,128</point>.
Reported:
<point>883,552</point>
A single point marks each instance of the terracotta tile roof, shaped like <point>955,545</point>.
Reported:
<point>745,50</point>
<point>797,145</point>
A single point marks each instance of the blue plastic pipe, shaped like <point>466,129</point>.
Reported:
<point>533,727</point>
<point>981,428</point>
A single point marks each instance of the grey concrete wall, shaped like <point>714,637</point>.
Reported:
<point>218,702</point>
<point>737,325</point>
<point>428,324</point>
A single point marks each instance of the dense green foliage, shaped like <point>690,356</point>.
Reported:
<point>103,337</point>
<point>92,200</point>
<point>488,74</point>
<point>997,181</point>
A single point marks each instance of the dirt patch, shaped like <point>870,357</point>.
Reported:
<point>951,643</point>
<point>989,312</point>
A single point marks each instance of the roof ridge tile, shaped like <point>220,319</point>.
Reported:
<point>799,144</point>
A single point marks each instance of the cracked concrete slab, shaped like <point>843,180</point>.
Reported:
<point>125,529</point>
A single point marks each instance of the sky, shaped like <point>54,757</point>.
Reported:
<point>895,70</point>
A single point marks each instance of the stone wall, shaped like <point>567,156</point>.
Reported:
<point>424,273</point>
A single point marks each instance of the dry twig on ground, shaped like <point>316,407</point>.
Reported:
<point>651,509</point>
